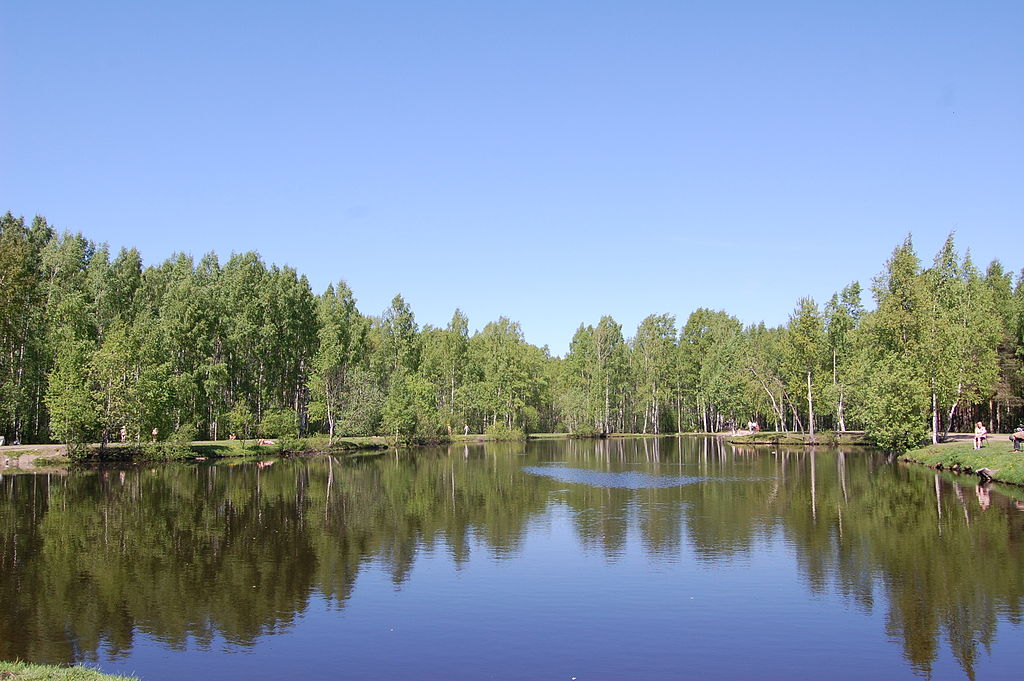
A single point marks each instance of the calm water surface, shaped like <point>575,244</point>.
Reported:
<point>625,559</point>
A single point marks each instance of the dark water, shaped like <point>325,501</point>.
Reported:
<point>630,559</point>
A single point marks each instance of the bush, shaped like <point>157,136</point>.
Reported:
<point>279,423</point>
<point>185,434</point>
<point>166,450</point>
<point>78,451</point>
<point>895,413</point>
<point>501,431</point>
<point>239,421</point>
<point>290,443</point>
<point>586,430</point>
<point>828,437</point>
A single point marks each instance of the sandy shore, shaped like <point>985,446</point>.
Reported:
<point>23,457</point>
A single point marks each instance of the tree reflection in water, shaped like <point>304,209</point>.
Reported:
<point>184,553</point>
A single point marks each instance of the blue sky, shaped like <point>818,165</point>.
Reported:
<point>547,161</point>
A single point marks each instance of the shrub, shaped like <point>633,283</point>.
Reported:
<point>77,451</point>
<point>501,431</point>
<point>586,430</point>
<point>289,444</point>
<point>828,437</point>
<point>184,434</point>
<point>166,450</point>
<point>239,420</point>
<point>279,423</point>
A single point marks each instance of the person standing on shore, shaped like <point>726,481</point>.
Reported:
<point>979,434</point>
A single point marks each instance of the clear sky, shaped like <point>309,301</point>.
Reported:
<point>547,161</point>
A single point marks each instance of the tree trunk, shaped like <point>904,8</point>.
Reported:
<point>810,406</point>
<point>839,411</point>
<point>949,421</point>
<point>952,410</point>
<point>797,423</point>
<point>606,427</point>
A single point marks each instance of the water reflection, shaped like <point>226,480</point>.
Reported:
<point>624,480</point>
<point>187,553</point>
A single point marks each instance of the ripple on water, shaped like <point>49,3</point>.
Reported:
<point>625,480</point>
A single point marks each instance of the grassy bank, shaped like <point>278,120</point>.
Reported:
<point>997,455</point>
<point>22,671</point>
<point>829,438</point>
<point>220,449</point>
<point>166,450</point>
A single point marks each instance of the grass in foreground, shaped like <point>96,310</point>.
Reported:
<point>23,671</point>
<point>997,455</point>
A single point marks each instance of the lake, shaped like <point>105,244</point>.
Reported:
<point>640,558</point>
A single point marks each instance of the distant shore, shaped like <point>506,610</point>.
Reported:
<point>37,458</point>
<point>822,438</point>
<point>956,454</point>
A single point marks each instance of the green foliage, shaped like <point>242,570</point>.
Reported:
<point>296,444</point>
<point>712,368</point>
<point>501,431</point>
<point>593,380</point>
<point>409,411</point>
<point>91,343</point>
<point>23,671</point>
<point>827,437</point>
<point>504,375</point>
<point>896,409</point>
<point>997,455</point>
<point>342,346</point>
<point>586,430</point>
<point>166,450</point>
<point>73,415</point>
<point>654,349</point>
<point>279,423</point>
<point>184,434</point>
<point>240,420</point>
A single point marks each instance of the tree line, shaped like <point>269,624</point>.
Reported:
<point>93,343</point>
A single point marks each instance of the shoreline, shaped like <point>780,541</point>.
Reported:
<point>956,454</point>
<point>53,458</point>
<point>828,438</point>
<point>25,671</point>
<point>995,461</point>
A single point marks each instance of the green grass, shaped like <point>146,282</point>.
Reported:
<point>23,671</point>
<point>49,461</point>
<point>825,437</point>
<point>997,455</point>
<point>234,449</point>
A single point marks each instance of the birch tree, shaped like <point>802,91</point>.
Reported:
<point>342,340</point>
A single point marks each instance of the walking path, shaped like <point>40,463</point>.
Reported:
<point>23,457</point>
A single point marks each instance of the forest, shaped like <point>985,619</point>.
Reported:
<point>91,343</point>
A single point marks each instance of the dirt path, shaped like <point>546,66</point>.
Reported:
<point>23,457</point>
<point>969,437</point>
